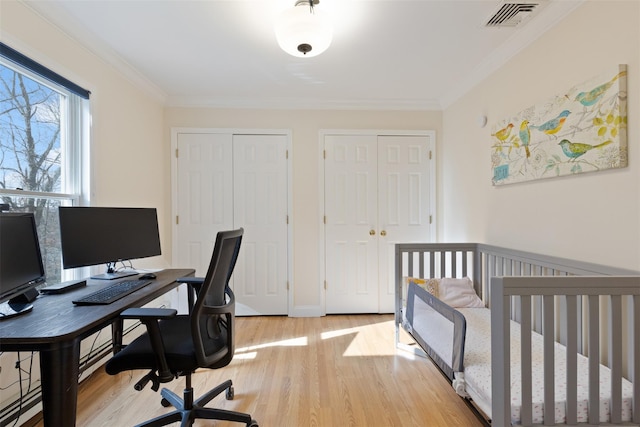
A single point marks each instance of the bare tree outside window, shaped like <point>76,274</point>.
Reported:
<point>31,156</point>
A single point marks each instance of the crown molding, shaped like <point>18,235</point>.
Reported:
<point>80,34</point>
<point>303,104</point>
<point>549,17</point>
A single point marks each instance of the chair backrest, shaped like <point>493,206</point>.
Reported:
<point>213,314</point>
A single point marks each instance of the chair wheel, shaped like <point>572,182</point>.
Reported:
<point>164,402</point>
<point>253,423</point>
<point>230,394</point>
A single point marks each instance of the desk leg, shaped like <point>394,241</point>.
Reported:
<point>59,368</point>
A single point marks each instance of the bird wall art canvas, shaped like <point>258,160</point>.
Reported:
<point>581,130</point>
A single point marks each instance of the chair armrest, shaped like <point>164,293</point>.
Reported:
<point>148,313</point>
<point>150,317</point>
<point>194,283</point>
<point>191,280</point>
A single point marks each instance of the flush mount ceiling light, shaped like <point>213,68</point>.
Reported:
<point>303,30</point>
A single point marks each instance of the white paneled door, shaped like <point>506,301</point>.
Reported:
<point>377,193</point>
<point>260,206</point>
<point>204,198</point>
<point>226,181</point>
<point>351,218</point>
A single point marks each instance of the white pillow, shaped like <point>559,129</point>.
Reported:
<point>458,293</point>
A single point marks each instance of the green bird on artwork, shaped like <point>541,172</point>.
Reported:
<point>573,150</point>
<point>589,98</point>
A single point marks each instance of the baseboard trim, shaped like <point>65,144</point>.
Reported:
<point>306,311</point>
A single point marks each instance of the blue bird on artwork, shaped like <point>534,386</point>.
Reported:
<point>525,136</point>
<point>553,126</point>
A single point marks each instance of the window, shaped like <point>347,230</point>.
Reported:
<point>43,147</point>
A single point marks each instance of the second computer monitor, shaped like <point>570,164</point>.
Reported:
<point>105,235</point>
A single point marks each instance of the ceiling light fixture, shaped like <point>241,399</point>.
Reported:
<point>303,31</point>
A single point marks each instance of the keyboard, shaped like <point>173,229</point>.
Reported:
<point>112,292</point>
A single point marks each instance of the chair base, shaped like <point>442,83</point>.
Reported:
<point>187,410</point>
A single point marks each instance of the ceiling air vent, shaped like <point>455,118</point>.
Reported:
<point>512,14</point>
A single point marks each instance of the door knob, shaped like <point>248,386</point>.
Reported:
<point>383,233</point>
<point>372,232</point>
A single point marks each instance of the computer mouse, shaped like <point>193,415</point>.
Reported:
<point>148,276</point>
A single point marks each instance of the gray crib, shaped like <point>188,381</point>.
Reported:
<point>592,310</point>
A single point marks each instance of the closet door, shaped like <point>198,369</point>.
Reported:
<point>260,207</point>
<point>351,207</point>
<point>377,194</point>
<point>204,196</point>
<point>404,196</point>
<point>226,181</point>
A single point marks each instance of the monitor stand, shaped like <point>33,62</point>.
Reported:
<point>114,275</point>
<point>14,308</point>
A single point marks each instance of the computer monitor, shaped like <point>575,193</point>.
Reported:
<point>101,235</point>
<point>21,267</point>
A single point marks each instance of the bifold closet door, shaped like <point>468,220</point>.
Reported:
<point>205,196</point>
<point>260,206</point>
<point>227,181</point>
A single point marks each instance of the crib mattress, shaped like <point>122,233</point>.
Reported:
<point>477,373</point>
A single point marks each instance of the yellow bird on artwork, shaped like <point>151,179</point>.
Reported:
<point>504,133</point>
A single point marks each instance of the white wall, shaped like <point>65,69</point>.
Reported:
<point>129,163</point>
<point>305,126</point>
<point>591,217</point>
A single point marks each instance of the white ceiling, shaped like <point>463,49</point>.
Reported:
<point>385,54</point>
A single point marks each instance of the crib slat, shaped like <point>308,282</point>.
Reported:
<point>454,264</point>
<point>526,415</point>
<point>572,359</point>
<point>549,417</point>
<point>465,263</point>
<point>594,363</point>
<point>432,263</point>
<point>615,358</point>
<point>636,359</point>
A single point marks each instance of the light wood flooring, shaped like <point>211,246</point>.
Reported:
<point>300,372</point>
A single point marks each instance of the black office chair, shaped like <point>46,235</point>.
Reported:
<point>177,345</point>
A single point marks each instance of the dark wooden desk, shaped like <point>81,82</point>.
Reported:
<point>55,327</point>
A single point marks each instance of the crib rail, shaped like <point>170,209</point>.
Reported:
<point>621,293</point>
<point>433,260</point>
<point>587,323</point>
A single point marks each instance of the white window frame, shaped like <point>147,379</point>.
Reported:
<point>75,122</point>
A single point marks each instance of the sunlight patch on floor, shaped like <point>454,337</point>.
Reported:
<point>245,356</point>
<point>366,340</point>
<point>293,342</point>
